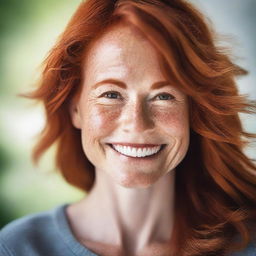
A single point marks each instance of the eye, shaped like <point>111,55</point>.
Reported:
<point>165,96</point>
<point>111,95</point>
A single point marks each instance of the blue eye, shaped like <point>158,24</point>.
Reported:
<point>111,95</point>
<point>165,96</point>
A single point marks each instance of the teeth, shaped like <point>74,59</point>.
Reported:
<point>136,152</point>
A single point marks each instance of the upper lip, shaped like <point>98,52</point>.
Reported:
<point>136,145</point>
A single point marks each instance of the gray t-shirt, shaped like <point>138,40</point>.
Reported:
<point>42,234</point>
<point>48,234</point>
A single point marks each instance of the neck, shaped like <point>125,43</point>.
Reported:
<point>133,218</point>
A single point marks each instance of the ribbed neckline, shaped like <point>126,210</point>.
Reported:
<point>64,230</point>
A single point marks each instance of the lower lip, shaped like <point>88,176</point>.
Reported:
<point>146,158</point>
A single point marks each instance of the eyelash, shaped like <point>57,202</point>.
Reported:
<point>170,96</point>
<point>106,93</point>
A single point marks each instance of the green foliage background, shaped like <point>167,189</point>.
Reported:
<point>28,29</point>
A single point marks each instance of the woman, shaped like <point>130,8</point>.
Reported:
<point>144,110</point>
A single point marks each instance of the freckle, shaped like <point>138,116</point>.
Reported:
<point>172,118</point>
<point>102,117</point>
<point>165,116</point>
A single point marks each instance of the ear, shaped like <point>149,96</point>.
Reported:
<point>75,115</point>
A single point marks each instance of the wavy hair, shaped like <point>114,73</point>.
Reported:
<point>215,198</point>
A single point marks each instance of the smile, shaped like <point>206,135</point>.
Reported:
<point>137,151</point>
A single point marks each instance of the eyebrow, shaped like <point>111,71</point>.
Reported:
<point>121,84</point>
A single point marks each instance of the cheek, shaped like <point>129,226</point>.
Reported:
<point>174,121</point>
<point>99,119</point>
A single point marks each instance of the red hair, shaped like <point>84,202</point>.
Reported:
<point>215,198</point>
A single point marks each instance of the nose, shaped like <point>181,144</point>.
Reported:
<point>136,117</point>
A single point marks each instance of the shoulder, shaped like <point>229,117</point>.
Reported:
<point>29,234</point>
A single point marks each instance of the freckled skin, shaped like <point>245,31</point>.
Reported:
<point>138,117</point>
<point>135,195</point>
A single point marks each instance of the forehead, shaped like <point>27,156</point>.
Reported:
<point>120,48</point>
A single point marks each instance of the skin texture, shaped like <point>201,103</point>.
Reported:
<point>130,209</point>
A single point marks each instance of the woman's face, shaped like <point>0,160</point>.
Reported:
<point>126,100</point>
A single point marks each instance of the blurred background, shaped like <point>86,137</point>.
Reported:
<point>28,29</point>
